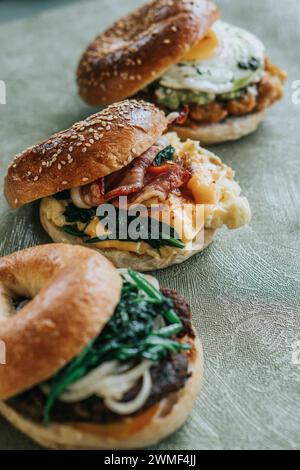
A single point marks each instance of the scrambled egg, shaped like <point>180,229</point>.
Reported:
<point>212,185</point>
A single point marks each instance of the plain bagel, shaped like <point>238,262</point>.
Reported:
<point>138,49</point>
<point>56,324</point>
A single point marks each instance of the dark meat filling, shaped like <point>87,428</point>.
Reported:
<point>167,377</point>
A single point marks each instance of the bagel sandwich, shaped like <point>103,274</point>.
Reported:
<point>96,358</point>
<point>125,153</point>
<point>178,54</point>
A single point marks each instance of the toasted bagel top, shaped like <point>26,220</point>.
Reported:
<point>74,292</point>
<point>99,145</point>
<point>140,47</point>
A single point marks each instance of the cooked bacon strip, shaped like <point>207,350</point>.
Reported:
<point>121,183</point>
<point>159,186</point>
<point>157,170</point>
<point>132,180</point>
<point>183,115</point>
<point>179,117</point>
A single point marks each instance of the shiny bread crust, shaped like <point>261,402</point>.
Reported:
<point>231,129</point>
<point>101,144</point>
<point>74,293</point>
<point>140,47</point>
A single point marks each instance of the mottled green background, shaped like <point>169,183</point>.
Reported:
<point>244,290</point>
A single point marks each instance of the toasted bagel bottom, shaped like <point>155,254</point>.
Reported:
<point>167,417</point>
<point>231,129</point>
<point>125,259</point>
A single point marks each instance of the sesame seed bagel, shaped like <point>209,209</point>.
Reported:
<point>56,325</point>
<point>102,144</point>
<point>124,259</point>
<point>230,129</point>
<point>139,48</point>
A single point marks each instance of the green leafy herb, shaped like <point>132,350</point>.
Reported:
<point>75,214</point>
<point>129,335</point>
<point>251,64</point>
<point>73,231</point>
<point>168,331</point>
<point>164,155</point>
<point>167,236</point>
<point>144,285</point>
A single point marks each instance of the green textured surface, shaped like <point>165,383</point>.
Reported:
<point>244,290</point>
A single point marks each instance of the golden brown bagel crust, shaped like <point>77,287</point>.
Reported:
<point>90,149</point>
<point>171,414</point>
<point>74,293</point>
<point>125,259</point>
<point>139,48</point>
<point>231,129</point>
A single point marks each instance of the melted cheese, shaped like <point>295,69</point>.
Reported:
<point>95,229</point>
<point>204,49</point>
